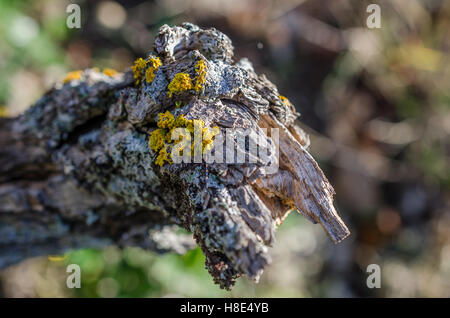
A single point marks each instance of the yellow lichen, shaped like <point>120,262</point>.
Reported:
<point>4,111</point>
<point>155,63</point>
<point>166,120</point>
<point>207,139</point>
<point>161,139</point>
<point>71,76</point>
<point>57,258</point>
<point>157,139</point>
<point>162,157</point>
<point>200,80</point>
<point>110,72</point>
<point>138,67</point>
<point>180,83</point>
<point>285,100</point>
<point>181,121</point>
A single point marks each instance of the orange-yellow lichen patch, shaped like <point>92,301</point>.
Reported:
<point>166,120</point>
<point>155,63</point>
<point>4,111</point>
<point>180,83</point>
<point>181,121</point>
<point>110,72</point>
<point>163,156</point>
<point>207,138</point>
<point>57,258</point>
<point>285,100</point>
<point>200,79</point>
<point>161,141</point>
<point>71,76</point>
<point>138,68</point>
<point>157,139</point>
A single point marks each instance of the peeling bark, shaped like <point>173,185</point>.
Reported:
<point>76,169</point>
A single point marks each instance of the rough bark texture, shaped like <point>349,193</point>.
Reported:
<point>76,169</point>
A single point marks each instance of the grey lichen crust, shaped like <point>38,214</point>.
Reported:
<point>96,129</point>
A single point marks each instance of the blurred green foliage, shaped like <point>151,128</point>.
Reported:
<point>139,273</point>
<point>134,272</point>
<point>30,40</point>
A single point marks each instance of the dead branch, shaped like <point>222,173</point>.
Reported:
<point>76,169</point>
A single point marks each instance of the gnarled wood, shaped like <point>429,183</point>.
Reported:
<point>76,169</point>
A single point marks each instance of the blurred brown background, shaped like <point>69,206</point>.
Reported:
<point>376,103</point>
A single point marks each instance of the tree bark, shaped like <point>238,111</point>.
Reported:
<point>76,169</point>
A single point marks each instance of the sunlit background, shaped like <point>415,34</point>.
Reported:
<point>376,103</point>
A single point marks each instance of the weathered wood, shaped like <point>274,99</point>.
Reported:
<point>76,169</point>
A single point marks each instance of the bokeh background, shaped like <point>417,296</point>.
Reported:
<point>376,103</point>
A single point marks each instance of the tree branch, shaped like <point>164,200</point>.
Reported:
<point>76,169</point>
